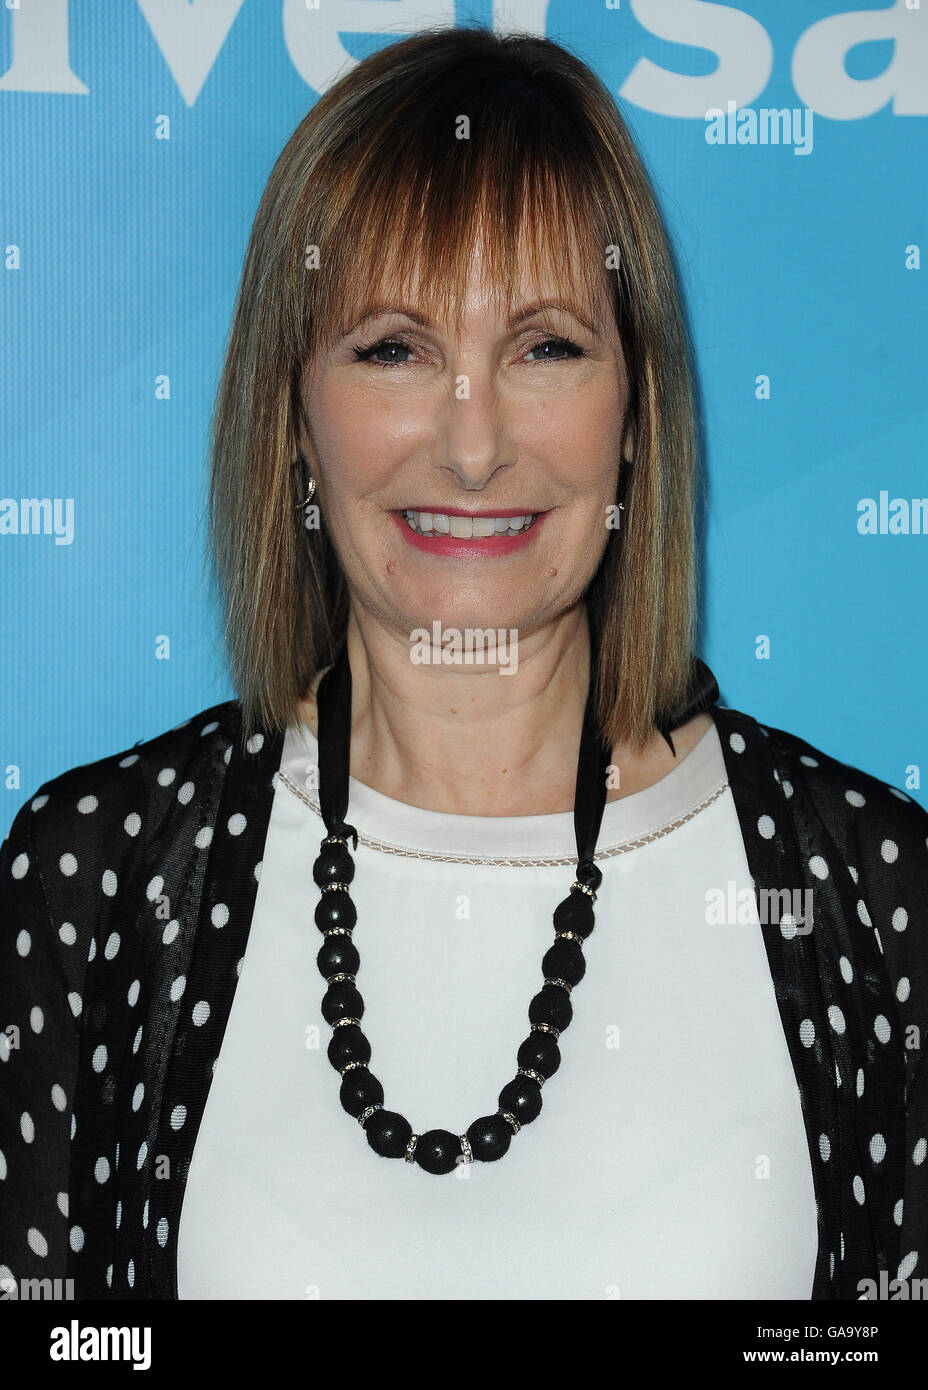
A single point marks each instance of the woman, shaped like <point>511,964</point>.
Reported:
<point>458,356</point>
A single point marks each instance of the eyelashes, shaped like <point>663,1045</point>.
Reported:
<point>366,353</point>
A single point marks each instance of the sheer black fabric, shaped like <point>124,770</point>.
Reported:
<point>127,888</point>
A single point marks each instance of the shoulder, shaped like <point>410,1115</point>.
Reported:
<point>78,828</point>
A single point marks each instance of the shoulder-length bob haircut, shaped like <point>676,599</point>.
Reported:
<point>377,170</point>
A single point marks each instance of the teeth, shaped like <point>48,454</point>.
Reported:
<point>465,527</point>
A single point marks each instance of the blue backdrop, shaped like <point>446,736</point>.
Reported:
<point>137,136</point>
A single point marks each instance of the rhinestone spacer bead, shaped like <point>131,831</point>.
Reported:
<point>339,1021</point>
<point>411,1148</point>
<point>582,888</point>
<point>568,936</point>
<point>335,840</point>
<point>535,1075</point>
<point>348,1066</point>
<point>338,931</point>
<point>510,1120</point>
<point>335,888</point>
<point>342,975</point>
<point>366,1114</point>
<point>466,1149</point>
<point>546,1028</point>
<point>561,984</point>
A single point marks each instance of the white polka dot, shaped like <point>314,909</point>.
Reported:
<point>62,1200</point>
<point>109,1276</point>
<point>818,866</point>
<point>900,919</point>
<point>878,1148</point>
<point>237,823</point>
<point>154,888</point>
<point>238,965</point>
<point>6,1048</point>
<point>257,870</point>
<point>824,1147</point>
<point>200,1013</point>
<point>87,804</point>
<point>788,926</point>
<point>809,762</point>
<point>855,798</point>
<point>142,1154</point>
<point>59,1099</point>
<point>112,945</point>
<point>178,1116</point>
<point>137,1095</point>
<point>130,1274</point>
<point>101,1169</point>
<point>847,972</point>
<point>162,1232</point>
<point>890,851</point>
<point>67,933</point>
<point>836,1018</point>
<point>901,795</point>
<point>166,776</point>
<point>918,1153</point>
<point>99,1058</point>
<point>138,1040</point>
<point>859,1192</point>
<point>907,1265</point>
<point>227,755</point>
<point>902,989</point>
<point>807,1032</point>
<point>210,728</point>
<point>145,1215</point>
<point>76,1003</point>
<point>67,864</point>
<point>255,743</point>
<point>20,866</point>
<point>109,883</point>
<point>853,872</point>
<point>863,914</point>
<point>860,1081</point>
<point>26,1127</point>
<point>77,1238</point>
<point>203,837</point>
<point>37,1242</point>
<point>128,761</point>
<point>92,953</point>
<point>170,931</point>
<point>219,915</point>
<point>178,987</point>
<point>766,827</point>
<point>133,823</point>
<point>185,793</point>
<point>133,993</point>
<point>2,1166</point>
<point>787,789</point>
<point>881,1028</point>
<point>878,939</point>
<point>38,802</point>
<point>897,1213</point>
<point>23,943</point>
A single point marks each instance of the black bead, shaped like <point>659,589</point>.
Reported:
<point>359,1089</point>
<point>342,1000</point>
<point>540,1053</point>
<point>575,914</point>
<point>551,1005</point>
<point>338,955</point>
<point>522,1098</point>
<point>564,961</point>
<point>388,1133</point>
<point>348,1044</point>
<point>438,1151</point>
<point>335,910</point>
<point>334,865</point>
<point>489,1137</point>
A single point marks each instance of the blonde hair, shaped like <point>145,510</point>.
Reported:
<point>375,171</point>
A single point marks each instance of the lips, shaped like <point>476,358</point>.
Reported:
<point>468,537</point>
<point>463,527</point>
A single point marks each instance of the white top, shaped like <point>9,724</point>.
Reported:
<point>669,1159</point>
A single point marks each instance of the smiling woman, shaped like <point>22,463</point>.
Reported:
<point>459,334</point>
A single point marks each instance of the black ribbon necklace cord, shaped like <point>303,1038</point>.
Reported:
<point>519,1102</point>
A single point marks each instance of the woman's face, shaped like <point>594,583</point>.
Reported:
<point>522,417</point>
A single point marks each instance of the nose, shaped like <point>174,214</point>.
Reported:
<point>473,442</point>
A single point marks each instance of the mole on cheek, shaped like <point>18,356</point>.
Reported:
<point>391,566</point>
<point>552,571</point>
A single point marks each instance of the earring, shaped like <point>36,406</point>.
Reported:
<point>307,504</point>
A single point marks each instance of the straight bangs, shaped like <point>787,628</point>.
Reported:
<point>450,145</point>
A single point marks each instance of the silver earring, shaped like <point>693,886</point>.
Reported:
<point>307,504</point>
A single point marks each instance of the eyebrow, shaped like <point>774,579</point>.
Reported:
<point>376,310</point>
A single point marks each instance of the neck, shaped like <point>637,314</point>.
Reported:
<point>465,739</point>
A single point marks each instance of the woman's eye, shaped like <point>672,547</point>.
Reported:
<point>564,345</point>
<point>368,354</point>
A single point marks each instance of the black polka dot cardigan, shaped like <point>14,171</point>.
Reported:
<point>127,888</point>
